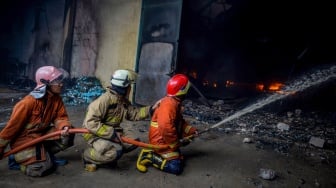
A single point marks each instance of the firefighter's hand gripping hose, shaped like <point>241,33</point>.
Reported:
<point>80,130</point>
<point>186,140</point>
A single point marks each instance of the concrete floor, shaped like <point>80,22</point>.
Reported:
<point>212,160</point>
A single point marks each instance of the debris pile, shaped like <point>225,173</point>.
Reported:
<point>312,132</point>
<point>82,90</point>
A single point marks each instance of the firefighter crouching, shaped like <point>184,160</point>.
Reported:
<point>168,127</point>
<point>37,114</point>
<point>103,118</point>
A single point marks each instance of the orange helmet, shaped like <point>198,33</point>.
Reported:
<point>178,85</point>
<point>46,74</point>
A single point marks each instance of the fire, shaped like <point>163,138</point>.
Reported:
<point>260,87</point>
<point>275,86</point>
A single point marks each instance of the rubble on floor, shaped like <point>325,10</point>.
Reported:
<point>311,133</point>
<point>82,90</point>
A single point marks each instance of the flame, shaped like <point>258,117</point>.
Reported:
<point>260,87</point>
<point>275,86</point>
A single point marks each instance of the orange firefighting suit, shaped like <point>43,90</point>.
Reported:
<point>103,119</point>
<point>167,127</point>
<point>31,118</point>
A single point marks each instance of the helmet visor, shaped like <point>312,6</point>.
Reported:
<point>58,80</point>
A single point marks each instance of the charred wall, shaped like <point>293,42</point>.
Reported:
<point>85,37</point>
<point>31,36</point>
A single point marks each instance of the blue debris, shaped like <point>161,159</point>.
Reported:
<point>82,90</point>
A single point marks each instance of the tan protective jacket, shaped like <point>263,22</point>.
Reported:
<point>107,112</point>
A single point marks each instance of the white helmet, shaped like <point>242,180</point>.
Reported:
<point>123,77</point>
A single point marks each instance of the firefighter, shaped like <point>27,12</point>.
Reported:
<point>37,114</point>
<point>103,119</point>
<point>168,127</point>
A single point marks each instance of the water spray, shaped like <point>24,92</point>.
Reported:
<point>302,83</point>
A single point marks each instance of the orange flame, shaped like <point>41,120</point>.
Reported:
<point>275,86</point>
<point>260,87</point>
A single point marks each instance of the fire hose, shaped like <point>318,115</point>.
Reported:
<point>83,130</point>
<point>80,130</point>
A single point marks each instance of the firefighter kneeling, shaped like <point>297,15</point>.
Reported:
<point>103,119</point>
<point>168,127</point>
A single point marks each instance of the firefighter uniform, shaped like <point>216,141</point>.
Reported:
<point>168,127</point>
<point>103,119</point>
<point>37,114</point>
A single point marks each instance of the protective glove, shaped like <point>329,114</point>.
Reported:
<point>193,131</point>
<point>186,141</point>
<point>65,131</point>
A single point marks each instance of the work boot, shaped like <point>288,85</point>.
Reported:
<point>12,164</point>
<point>144,158</point>
<point>88,166</point>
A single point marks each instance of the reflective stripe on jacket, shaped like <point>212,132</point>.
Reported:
<point>107,112</point>
<point>32,118</point>
<point>168,127</point>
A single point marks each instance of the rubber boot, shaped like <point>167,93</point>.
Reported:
<point>158,161</point>
<point>144,158</point>
<point>147,157</point>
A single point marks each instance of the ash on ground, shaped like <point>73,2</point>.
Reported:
<point>309,134</point>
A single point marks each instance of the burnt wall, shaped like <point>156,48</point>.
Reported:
<point>85,37</point>
<point>31,36</point>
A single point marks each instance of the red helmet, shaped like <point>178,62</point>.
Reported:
<point>47,74</point>
<point>178,85</point>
